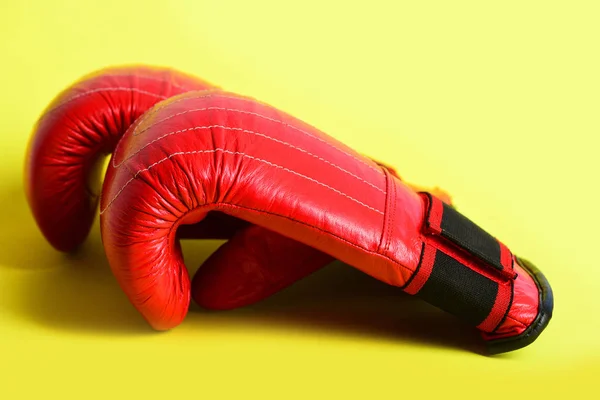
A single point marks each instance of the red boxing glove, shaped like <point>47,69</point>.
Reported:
<point>75,134</point>
<point>83,125</point>
<point>199,154</point>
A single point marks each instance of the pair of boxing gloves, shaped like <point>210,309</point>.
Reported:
<point>190,160</point>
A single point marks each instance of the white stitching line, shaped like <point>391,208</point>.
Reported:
<point>151,78</point>
<point>136,133</point>
<point>212,93</point>
<point>253,133</point>
<point>99,90</point>
<point>157,107</point>
<point>245,156</point>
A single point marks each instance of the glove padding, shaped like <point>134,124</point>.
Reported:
<point>205,153</point>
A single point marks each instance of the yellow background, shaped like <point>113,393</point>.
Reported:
<point>496,102</point>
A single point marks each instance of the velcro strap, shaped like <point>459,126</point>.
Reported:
<point>444,221</point>
<point>447,283</point>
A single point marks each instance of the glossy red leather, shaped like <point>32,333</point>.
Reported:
<point>199,153</point>
<point>254,264</point>
<point>83,125</point>
<point>75,134</point>
<point>524,307</point>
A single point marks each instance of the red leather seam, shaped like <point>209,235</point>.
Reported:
<point>157,107</point>
<point>234,206</point>
<point>393,218</point>
<point>215,150</point>
<point>517,321</point>
<point>220,94</point>
<point>385,229</point>
<point>510,303</point>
